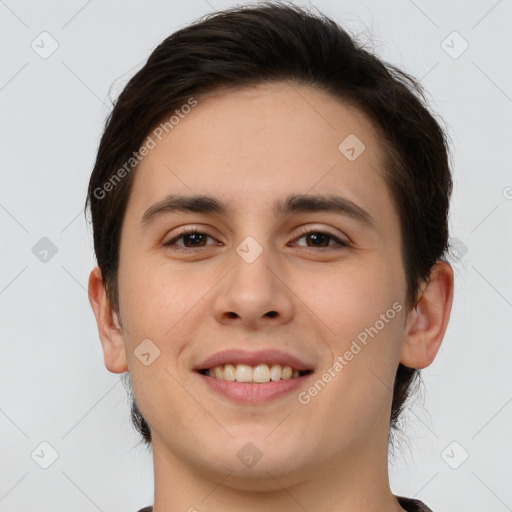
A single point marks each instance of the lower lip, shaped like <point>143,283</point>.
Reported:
<point>251,393</point>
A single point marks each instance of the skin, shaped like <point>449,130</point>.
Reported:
<point>252,147</point>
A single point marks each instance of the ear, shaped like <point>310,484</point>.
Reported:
<point>109,328</point>
<point>427,321</point>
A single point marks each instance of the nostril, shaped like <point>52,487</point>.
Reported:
<point>271,314</point>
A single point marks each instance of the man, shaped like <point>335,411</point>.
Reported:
<point>269,205</point>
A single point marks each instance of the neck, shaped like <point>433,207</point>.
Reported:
<point>355,479</point>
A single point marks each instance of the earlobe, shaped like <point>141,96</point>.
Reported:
<point>109,328</point>
<point>427,321</point>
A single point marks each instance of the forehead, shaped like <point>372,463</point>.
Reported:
<point>255,145</point>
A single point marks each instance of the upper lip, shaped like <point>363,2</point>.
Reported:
<point>252,358</point>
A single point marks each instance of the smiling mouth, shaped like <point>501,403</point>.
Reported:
<point>258,374</point>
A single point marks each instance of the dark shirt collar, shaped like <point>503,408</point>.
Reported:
<point>408,504</point>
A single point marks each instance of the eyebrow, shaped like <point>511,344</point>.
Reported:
<point>295,203</point>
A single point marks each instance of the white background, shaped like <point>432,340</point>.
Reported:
<point>54,386</point>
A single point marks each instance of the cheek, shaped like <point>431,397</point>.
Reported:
<point>154,301</point>
<point>350,298</point>
<point>163,306</point>
<point>362,307</point>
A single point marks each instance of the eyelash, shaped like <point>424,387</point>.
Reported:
<point>169,243</point>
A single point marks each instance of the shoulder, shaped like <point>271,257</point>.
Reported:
<point>412,505</point>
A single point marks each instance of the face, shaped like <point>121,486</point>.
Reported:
<point>314,283</point>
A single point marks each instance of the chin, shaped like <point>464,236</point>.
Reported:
<point>255,462</point>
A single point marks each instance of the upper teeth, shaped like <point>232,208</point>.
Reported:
<point>245,373</point>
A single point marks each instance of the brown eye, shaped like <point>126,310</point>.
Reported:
<point>318,239</point>
<point>191,239</point>
<point>321,239</point>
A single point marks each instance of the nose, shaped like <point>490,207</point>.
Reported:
<point>254,294</point>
